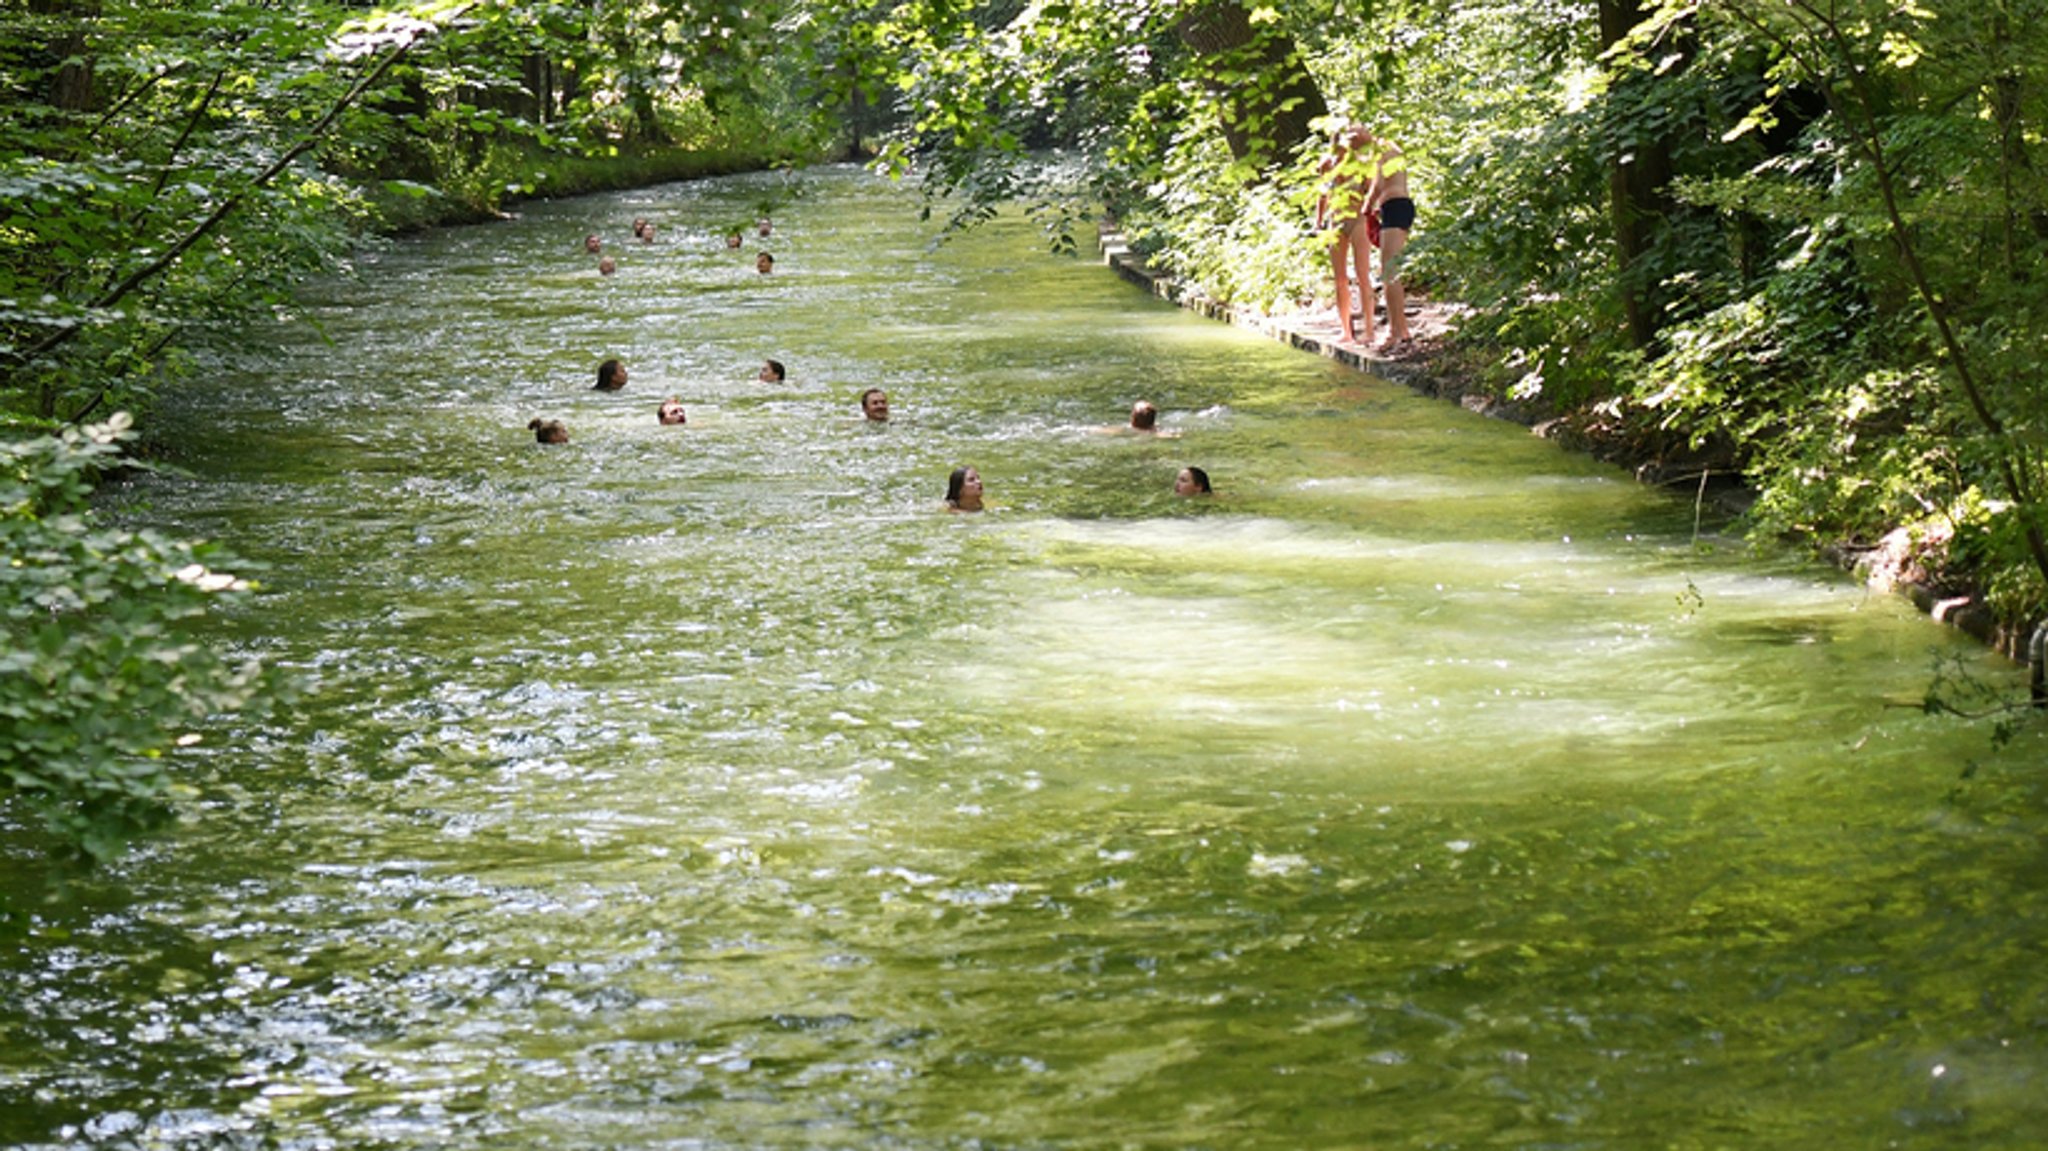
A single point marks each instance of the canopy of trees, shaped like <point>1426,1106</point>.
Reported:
<point>1803,239</point>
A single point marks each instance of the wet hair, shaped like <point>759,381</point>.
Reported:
<point>607,266</point>
<point>607,376</point>
<point>775,367</point>
<point>1144,416</point>
<point>871,392</point>
<point>673,403</point>
<point>954,483</point>
<point>548,431</point>
<point>1201,479</point>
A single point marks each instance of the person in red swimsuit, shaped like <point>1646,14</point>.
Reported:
<point>1347,182</point>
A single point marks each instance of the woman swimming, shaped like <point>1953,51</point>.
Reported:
<point>963,490</point>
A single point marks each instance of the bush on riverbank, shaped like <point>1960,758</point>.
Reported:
<point>97,683</point>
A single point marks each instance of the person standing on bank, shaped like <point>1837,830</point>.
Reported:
<point>1387,196</point>
<point>1347,180</point>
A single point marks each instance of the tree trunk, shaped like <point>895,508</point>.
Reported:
<point>1638,182</point>
<point>539,75</point>
<point>71,88</point>
<point>1267,101</point>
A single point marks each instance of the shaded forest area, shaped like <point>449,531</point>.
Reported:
<point>1798,243</point>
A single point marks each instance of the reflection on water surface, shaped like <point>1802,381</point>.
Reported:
<point>706,787</point>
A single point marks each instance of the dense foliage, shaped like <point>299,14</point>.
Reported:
<point>97,682</point>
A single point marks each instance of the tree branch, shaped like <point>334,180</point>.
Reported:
<point>170,255</point>
<point>131,96</point>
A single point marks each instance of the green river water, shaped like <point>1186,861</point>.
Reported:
<point>710,788</point>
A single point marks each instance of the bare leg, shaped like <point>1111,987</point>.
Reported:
<point>1340,254</point>
<point>1361,256</point>
<point>1392,241</point>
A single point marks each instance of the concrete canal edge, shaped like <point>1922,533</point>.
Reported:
<point>1886,567</point>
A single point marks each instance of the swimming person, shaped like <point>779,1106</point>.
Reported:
<point>764,263</point>
<point>671,412</point>
<point>607,266</point>
<point>963,490</point>
<point>548,431</point>
<point>771,372</point>
<point>611,376</point>
<point>592,244</point>
<point>1144,421</point>
<point>1191,481</point>
<point>874,404</point>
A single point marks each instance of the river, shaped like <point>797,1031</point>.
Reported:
<point>709,787</point>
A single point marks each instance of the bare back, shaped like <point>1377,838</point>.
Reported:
<point>1389,177</point>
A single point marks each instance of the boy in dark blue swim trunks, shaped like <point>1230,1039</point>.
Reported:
<point>1388,196</point>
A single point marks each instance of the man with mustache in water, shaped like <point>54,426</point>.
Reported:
<point>874,404</point>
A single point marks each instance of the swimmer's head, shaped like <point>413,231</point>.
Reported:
<point>963,490</point>
<point>548,431</point>
<point>611,376</point>
<point>874,404</point>
<point>671,412</point>
<point>1191,481</point>
<point>771,372</point>
<point>1144,417</point>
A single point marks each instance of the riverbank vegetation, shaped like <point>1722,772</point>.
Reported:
<point>1791,242</point>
